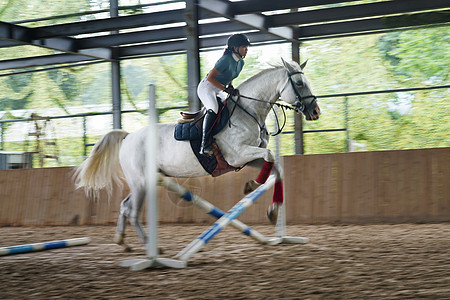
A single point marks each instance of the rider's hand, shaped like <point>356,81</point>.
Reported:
<point>231,90</point>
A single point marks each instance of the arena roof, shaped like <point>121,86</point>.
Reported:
<point>167,32</point>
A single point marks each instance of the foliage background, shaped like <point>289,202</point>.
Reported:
<point>415,58</point>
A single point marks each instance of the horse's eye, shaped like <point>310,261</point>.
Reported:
<point>299,83</point>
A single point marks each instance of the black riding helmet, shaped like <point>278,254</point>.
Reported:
<point>237,40</point>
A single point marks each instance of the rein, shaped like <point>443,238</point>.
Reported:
<point>263,127</point>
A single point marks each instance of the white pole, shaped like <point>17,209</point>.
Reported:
<point>151,181</point>
<point>280,226</point>
<point>151,157</point>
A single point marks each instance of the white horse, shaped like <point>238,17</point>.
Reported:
<point>242,143</point>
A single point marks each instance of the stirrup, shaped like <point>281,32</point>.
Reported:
<point>207,151</point>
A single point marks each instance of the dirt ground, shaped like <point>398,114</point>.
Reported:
<point>407,261</point>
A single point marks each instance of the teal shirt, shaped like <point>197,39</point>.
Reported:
<point>228,68</point>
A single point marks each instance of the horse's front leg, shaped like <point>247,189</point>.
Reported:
<point>268,166</point>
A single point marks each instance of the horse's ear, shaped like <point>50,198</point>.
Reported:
<point>287,66</point>
<point>303,65</point>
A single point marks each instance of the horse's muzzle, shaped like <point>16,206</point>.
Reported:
<point>314,114</point>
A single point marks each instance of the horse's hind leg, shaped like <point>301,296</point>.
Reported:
<point>119,237</point>
<point>130,209</point>
<point>137,200</point>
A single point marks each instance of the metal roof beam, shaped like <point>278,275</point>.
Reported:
<point>132,37</point>
<point>45,60</point>
<point>176,46</point>
<point>160,35</point>
<point>355,12</point>
<point>254,6</point>
<point>21,35</point>
<point>117,23</point>
<point>11,32</point>
<point>244,8</point>
<point>305,33</point>
<point>310,31</point>
<point>5,44</point>
<point>255,21</point>
<point>111,24</point>
<point>156,48</point>
<point>147,36</point>
<point>374,25</point>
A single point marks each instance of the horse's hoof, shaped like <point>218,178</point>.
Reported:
<point>250,186</point>
<point>119,238</point>
<point>272,213</point>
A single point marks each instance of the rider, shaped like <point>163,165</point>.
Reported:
<point>219,79</point>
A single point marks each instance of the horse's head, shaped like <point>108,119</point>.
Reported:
<point>297,91</point>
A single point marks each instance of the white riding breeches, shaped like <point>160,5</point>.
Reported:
<point>208,95</point>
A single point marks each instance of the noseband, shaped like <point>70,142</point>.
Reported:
<point>299,106</point>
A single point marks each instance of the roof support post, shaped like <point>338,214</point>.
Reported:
<point>115,74</point>
<point>116,97</point>
<point>298,119</point>
<point>193,54</point>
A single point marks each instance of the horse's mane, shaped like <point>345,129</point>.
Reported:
<point>260,74</point>
<point>273,66</point>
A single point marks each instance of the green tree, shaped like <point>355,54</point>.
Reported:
<point>421,55</point>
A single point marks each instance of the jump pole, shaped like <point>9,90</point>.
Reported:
<point>280,226</point>
<point>44,246</point>
<point>151,178</point>
<point>212,210</point>
<point>223,221</point>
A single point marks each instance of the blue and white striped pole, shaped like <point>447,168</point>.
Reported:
<point>210,208</point>
<point>223,221</point>
<point>43,246</point>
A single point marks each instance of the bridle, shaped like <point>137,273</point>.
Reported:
<point>299,106</point>
<point>262,127</point>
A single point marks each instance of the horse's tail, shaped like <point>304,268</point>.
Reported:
<point>101,170</point>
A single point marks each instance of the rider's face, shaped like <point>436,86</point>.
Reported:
<point>242,50</point>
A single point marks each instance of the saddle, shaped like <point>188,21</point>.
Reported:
<point>190,125</point>
<point>189,128</point>
<point>187,117</point>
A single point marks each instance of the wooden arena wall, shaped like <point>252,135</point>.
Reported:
<point>363,187</point>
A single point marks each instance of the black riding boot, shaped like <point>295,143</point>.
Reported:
<point>210,118</point>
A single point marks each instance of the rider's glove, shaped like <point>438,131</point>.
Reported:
<point>231,90</point>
